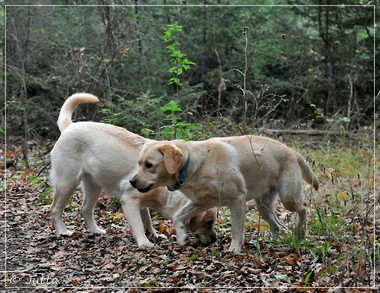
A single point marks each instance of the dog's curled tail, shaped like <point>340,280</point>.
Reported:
<point>308,174</point>
<point>69,106</point>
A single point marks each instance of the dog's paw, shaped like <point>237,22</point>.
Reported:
<point>160,236</point>
<point>182,236</point>
<point>276,237</point>
<point>155,235</point>
<point>145,244</point>
<point>235,249</point>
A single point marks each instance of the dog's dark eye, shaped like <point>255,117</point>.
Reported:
<point>210,223</point>
<point>148,165</point>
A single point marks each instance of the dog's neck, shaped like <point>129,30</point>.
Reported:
<point>193,157</point>
<point>182,175</point>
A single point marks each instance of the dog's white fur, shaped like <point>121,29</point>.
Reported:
<point>228,172</point>
<point>104,157</point>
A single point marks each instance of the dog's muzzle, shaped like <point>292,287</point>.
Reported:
<point>202,239</point>
<point>134,184</point>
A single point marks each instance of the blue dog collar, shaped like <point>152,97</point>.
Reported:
<point>182,176</point>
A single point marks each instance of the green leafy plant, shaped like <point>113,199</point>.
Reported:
<point>179,60</point>
<point>114,202</point>
<point>325,247</point>
<point>308,277</point>
<point>70,208</point>
<point>176,127</point>
<point>110,117</point>
<point>256,244</point>
<point>148,283</point>
<point>45,197</point>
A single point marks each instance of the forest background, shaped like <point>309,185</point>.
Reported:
<point>303,72</point>
<point>296,67</point>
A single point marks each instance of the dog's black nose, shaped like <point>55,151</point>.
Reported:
<point>133,182</point>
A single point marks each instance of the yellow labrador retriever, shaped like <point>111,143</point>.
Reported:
<point>228,172</point>
<point>104,157</point>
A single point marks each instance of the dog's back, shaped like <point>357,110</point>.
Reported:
<point>260,155</point>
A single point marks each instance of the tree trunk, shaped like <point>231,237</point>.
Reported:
<point>23,52</point>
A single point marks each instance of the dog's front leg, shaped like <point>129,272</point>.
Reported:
<point>179,220</point>
<point>147,220</point>
<point>131,209</point>
<point>237,208</point>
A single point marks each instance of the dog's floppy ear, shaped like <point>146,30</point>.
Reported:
<point>172,157</point>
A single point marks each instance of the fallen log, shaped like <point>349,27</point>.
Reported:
<point>307,132</point>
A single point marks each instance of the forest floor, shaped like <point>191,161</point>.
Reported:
<point>340,253</point>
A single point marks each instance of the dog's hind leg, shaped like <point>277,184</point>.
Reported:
<point>265,205</point>
<point>300,225</point>
<point>291,195</point>
<point>179,220</point>
<point>92,192</point>
<point>63,189</point>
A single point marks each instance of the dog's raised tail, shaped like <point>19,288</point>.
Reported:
<point>308,174</point>
<point>69,106</point>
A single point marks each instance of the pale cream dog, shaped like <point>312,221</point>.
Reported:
<point>228,172</point>
<point>104,157</point>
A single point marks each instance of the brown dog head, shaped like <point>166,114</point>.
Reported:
<point>159,163</point>
<point>202,226</point>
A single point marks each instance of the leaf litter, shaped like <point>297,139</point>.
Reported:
<point>335,255</point>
